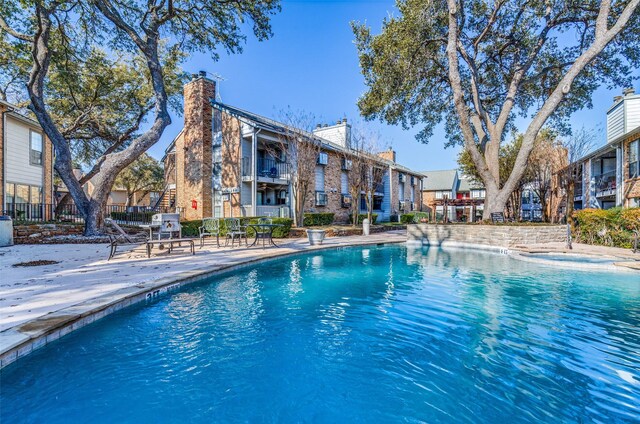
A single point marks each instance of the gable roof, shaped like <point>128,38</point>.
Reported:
<point>466,184</point>
<point>439,180</point>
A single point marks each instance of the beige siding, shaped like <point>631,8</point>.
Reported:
<point>18,168</point>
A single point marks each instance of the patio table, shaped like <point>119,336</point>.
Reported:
<point>264,231</point>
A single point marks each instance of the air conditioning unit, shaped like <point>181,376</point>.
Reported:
<point>402,206</point>
<point>346,201</point>
<point>321,198</point>
<point>403,178</point>
<point>347,165</point>
<point>323,158</point>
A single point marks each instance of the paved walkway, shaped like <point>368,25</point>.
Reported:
<point>83,272</point>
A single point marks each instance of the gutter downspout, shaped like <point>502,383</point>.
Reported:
<point>392,209</point>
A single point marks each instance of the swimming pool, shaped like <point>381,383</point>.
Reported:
<point>381,334</point>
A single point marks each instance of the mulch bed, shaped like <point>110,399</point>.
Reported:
<point>35,263</point>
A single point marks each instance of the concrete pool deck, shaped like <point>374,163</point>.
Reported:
<point>39,304</point>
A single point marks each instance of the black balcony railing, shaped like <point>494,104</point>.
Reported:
<point>43,212</point>
<point>273,169</point>
<point>605,182</point>
<point>269,168</point>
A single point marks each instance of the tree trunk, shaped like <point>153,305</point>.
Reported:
<point>570,196</point>
<point>94,219</point>
<point>495,201</point>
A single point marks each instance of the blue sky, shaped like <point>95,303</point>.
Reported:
<point>311,64</point>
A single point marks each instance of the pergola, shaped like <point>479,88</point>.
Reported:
<point>458,202</point>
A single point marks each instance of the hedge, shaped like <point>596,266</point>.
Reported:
<point>318,219</point>
<point>190,228</point>
<point>611,227</point>
<point>362,216</point>
<point>131,216</point>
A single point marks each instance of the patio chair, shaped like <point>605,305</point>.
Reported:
<point>210,227</point>
<point>263,233</point>
<point>236,231</point>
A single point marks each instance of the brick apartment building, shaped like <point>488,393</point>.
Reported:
<point>225,162</point>
<point>610,175</point>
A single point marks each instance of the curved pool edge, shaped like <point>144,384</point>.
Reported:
<point>616,264</point>
<point>18,341</point>
<point>621,265</point>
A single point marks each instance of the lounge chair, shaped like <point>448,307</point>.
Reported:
<point>119,239</point>
<point>210,227</point>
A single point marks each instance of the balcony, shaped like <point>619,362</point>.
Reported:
<point>267,168</point>
<point>577,192</point>
<point>605,183</point>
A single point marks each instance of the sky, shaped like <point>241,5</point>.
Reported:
<point>311,64</point>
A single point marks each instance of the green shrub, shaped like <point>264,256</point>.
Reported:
<point>190,228</point>
<point>611,227</point>
<point>407,218</point>
<point>421,216</point>
<point>318,219</point>
<point>362,216</point>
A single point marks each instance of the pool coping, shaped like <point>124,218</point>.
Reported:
<point>18,341</point>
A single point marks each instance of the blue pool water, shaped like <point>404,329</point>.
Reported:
<point>385,334</point>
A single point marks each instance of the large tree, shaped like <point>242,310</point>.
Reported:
<point>478,65</point>
<point>59,31</point>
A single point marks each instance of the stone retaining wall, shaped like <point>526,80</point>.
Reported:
<point>502,236</point>
<point>61,233</point>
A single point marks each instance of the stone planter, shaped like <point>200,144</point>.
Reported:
<point>316,236</point>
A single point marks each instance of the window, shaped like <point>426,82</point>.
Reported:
<point>323,158</point>
<point>321,198</point>
<point>377,203</point>
<point>35,195</point>
<point>401,192</point>
<point>344,183</point>
<point>10,194</point>
<point>22,193</point>
<point>35,152</point>
<point>319,178</point>
<point>633,158</point>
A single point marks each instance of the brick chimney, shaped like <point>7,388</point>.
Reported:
<point>388,155</point>
<point>194,149</point>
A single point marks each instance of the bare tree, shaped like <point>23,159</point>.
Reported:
<point>546,158</point>
<point>357,174</point>
<point>577,146</point>
<point>365,144</point>
<point>301,149</point>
